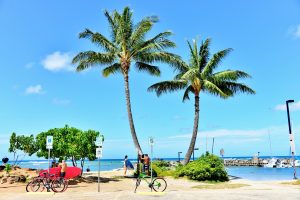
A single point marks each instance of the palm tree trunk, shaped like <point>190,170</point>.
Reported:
<point>130,118</point>
<point>195,131</point>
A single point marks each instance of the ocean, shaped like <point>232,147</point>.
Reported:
<point>250,173</point>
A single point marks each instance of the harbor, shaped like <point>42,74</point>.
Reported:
<point>262,162</point>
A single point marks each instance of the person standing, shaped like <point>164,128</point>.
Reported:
<point>146,163</point>
<point>127,165</point>
<point>63,168</point>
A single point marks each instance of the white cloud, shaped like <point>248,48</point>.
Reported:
<point>61,101</point>
<point>35,89</point>
<point>293,107</point>
<point>58,61</point>
<point>296,32</point>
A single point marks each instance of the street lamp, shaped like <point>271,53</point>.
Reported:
<point>195,149</point>
<point>179,156</point>
<point>292,143</point>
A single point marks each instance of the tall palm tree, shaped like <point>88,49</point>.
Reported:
<point>199,76</point>
<point>127,44</point>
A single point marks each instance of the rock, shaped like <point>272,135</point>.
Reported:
<point>17,178</point>
<point>10,180</point>
<point>3,180</point>
<point>22,179</point>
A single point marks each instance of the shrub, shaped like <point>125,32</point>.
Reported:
<point>207,168</point>
<point>7,168</point>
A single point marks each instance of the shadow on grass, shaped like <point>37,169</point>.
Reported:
<point>91,179</point>
<point>220,186</point>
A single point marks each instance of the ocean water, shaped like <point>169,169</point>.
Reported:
<point>250,173</point>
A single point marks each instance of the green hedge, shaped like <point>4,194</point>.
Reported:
<point>207,168</point>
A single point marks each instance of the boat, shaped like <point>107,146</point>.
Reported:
<point>272,163</point>
<point>297,163</point>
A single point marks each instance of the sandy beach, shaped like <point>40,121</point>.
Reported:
<point>114,186</point>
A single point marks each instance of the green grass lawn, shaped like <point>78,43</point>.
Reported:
<point>220,186</point>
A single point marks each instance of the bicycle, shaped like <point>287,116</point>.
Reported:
<point>48,181</point>
<point>158,184</point>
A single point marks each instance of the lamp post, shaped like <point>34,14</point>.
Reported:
<point>292,143</point>
<point>195,149</point>
<point>179,156</point>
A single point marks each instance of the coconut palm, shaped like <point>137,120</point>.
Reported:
<point>199,76</point>
<point>127,45</point>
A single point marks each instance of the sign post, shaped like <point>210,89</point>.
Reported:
<point>151,143</point>
<point>99,143</point>
<point>49,145</point>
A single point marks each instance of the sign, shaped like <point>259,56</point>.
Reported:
<point>222,152</point>
<point>49,142</point>
<point>99,140</point>
<point>99,152</point>
<point>292,143</point>
<point>151,141</point>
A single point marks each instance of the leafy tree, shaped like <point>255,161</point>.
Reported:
<point>68,143</point>
<point>127,45</point>
<point>198,76</point>
<point>27,144</point>
<point>61,144</point>
<point>84,146</point>
<point>13,144</point>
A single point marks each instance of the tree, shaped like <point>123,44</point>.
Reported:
<point>61,144</point>
<point>27,144</point>
<point>68,143</point>
<point>13,144</point>
<point>127,45</point>
<point>84,146</point>
<point>198,76</point>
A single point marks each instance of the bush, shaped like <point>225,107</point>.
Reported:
<point>7,168</point>
<point>207,168</point>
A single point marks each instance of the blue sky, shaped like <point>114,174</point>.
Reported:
<point>39,89</point>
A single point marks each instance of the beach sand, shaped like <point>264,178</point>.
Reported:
<point>114,186</point>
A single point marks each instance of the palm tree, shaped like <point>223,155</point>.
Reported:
<point>127,44</point>
<point>199,76</point>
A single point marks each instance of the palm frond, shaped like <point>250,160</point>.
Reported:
<point>152,70</point>
<point>230,75</point>
<point>163,57</point>
<point>90,58</point>
<point>215,61</point>
<point>212,88</point>
<point>188,90</point>
<point>158,42</point>
<point>204,53</point>
<point>191,74</point>
<point>113,69</point>
<point>98,39</point>
<point>112,24</point>
<point>140,30</point>
<point>167,86</point>
<point>193,55</point>
<point>235,87</point>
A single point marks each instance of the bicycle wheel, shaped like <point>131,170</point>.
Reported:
<point>35,185</point>
<point>28,186</point>
<point>58,185</point>
<point>66,184</point>
<point>159,184</point>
